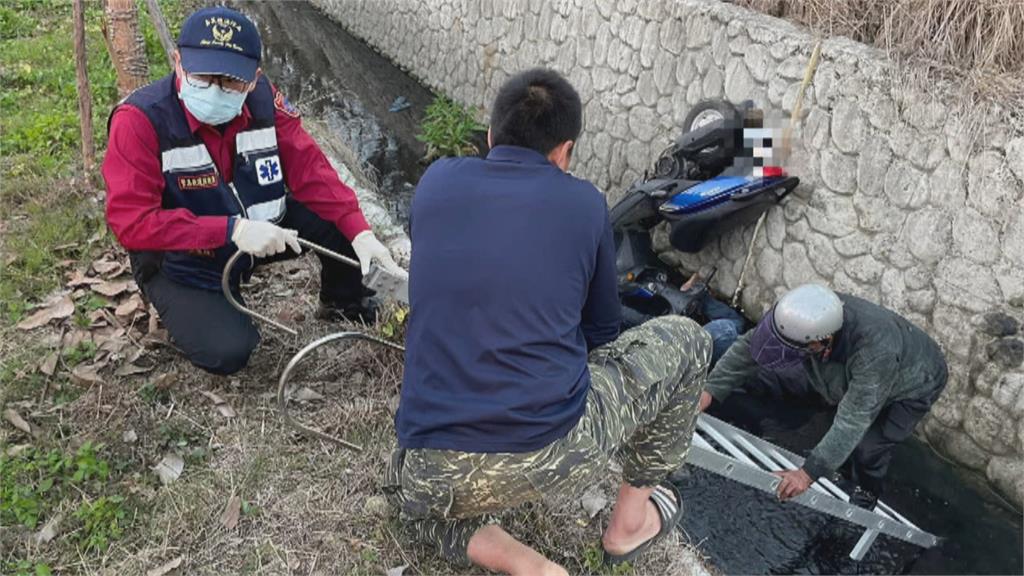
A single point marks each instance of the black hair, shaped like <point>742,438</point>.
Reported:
<point>536,109</point>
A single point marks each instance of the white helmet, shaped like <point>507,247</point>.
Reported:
<point>808,313</point>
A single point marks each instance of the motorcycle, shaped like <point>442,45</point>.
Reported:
<point>716,176</point>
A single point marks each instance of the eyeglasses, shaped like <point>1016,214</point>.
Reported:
<point>226,83</point>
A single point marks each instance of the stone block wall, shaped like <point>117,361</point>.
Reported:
<point>900,202</point>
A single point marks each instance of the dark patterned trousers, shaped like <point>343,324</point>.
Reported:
<point>642,406</point>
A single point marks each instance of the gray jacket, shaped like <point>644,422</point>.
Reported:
<point>878,358</point>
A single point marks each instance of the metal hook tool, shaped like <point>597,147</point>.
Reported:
<point>282,386</point>
<point>385,284</point>
<point>377,279</point>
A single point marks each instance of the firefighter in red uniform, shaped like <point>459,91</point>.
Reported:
<point>212,159</point>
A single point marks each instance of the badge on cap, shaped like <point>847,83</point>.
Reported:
<point>286,107</point>
<point>222,31</point>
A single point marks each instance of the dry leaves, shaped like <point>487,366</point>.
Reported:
<point>154,324</point>
<point>113,343</point>
<point>163,381</point>
<point>111,289</point>
<point>73,338</point>
<point>79,279</point>
<point>86,374</point>
<point>158,337</point>
<point>49,365</point>
<point>165,569</point>
<point>108,268</point>
<point>229,518</point>
<point>16,449</point>
<point>130,306</point>
<point>170,468</point>
<point>49,531</point>
<point>305,394</point>
<point>220,404</point>
<point>97,318</point>
<point>58,310</point>
<point>131,370</point>
<point>20,423</point>
<point>290,316</point>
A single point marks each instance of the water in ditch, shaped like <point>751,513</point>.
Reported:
<point>745,531</point>
<point>340,80</point>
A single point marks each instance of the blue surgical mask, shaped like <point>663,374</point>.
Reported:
<point>211,105</point>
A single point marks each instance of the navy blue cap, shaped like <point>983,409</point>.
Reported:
<point>220,41</point>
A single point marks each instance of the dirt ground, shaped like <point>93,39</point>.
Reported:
<point>254,497</point>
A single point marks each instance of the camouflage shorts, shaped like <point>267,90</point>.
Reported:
<point>642,406</point>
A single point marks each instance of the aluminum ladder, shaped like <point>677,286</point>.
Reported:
<point>725,450</point>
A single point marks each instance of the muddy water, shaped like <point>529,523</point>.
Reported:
<point>343,82</point>
<point>331,75</point>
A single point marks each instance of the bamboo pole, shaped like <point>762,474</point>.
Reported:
<point>84,95</point>
<point>161,30</point>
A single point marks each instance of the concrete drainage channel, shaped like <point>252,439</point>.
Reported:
<point>344,88</point>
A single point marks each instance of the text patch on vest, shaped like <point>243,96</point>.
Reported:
<point>198,181</point>
<point>268,170</point>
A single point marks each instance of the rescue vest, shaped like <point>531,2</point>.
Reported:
<point>192,180</point>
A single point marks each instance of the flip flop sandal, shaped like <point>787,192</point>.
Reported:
<point>669,505</point>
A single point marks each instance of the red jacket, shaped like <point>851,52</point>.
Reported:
<point>135,183</point>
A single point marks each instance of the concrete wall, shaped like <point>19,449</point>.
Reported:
<point>900,203</point>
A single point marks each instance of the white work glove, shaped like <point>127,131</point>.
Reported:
<point>368,249</point>
<point>263,238</point>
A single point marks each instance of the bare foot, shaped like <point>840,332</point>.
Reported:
<point>620,538</point>
<point>552,569</point>
<point>493,548</point>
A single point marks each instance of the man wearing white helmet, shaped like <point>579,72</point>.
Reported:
<point>880,371</point>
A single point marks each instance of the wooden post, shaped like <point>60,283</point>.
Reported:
<point>126,46</point>
<point>84,95</point>
<point>161,30</point>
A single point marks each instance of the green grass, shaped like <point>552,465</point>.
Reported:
<point>39,104</point>
<point>29,568</point>
<point>82,352</point>
<point>36,483</point>
<point>48,216</point>
<point>593,560</point>
<point>48,232</point>
<point>102,522</point>
<point>448,129</point>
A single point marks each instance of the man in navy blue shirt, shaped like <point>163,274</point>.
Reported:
<point>512,284</point>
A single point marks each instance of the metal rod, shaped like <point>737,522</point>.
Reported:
<point>699,441</point>
<point>225,282</point>
<point>791,466</point>
<point>705,427</point>
<point>328,252</point>
<point>282,386</point>
<point>766,461</point>
<point>865,542</point>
